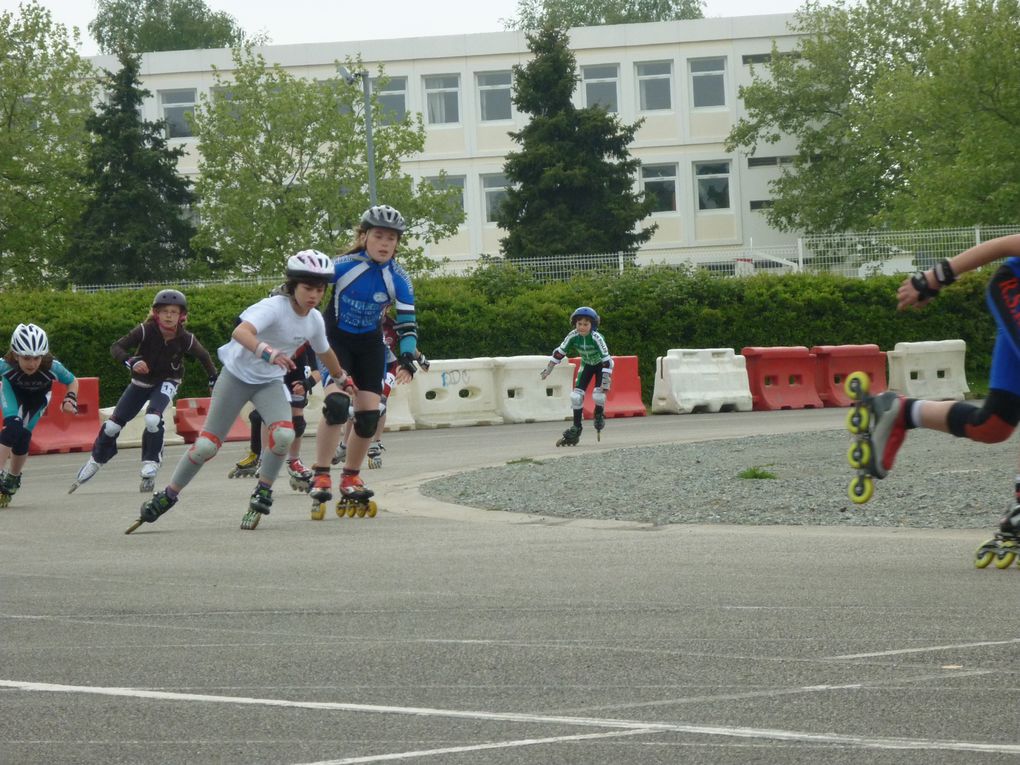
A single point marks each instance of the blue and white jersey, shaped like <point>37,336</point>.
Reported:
<point>361,291</point>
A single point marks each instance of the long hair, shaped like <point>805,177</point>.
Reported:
<point>47,361</point>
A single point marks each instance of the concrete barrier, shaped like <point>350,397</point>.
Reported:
<point>701,380</point>
<point>523,396</point>
<point>455,393</point>
<point>932,369</point>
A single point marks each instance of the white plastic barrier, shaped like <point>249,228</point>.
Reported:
<point>933,369</point>
<point>455,393</point>
<point>131,435</point>
<point>523,396</point>
<point>398,405</point>
<point>705,379</point>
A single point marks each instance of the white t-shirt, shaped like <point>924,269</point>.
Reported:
<point>277,324</point>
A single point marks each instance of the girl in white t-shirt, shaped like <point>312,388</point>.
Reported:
<point>254,364</point>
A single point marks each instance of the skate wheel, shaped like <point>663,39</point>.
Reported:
<point>373,508</point>
<point>360,510</point>
<point>859,454</point>
<point>984,554</point>
<point>857,420</point>
<point>341,509</point>
<point>134,526</point>
<point>251,520</point>
<point>318,512</point>
<point>857,385</point>
<point>1004,557</point>
<point>352,510</point>
<point>861,489</point>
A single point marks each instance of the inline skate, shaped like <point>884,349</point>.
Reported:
<point>341,453</point>
<point>260,504</point>
<point>148,474</point>
<point>1004,547</point>
<point>321,492</point>
<point>300,476</point>
<point>375,451</point>
<point>599,422</point>
<point>355,498</point>
<point>88,470</point>
<point>246,467</point>
<point>876,423</point>
<point>152,509</point>
<point>9,485</point>
<point>571,436</point>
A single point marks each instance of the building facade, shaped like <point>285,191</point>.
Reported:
<point>682,78</point>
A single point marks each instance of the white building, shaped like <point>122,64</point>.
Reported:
<point>680,77</point>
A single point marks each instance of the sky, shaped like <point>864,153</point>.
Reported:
<point>309,21</point>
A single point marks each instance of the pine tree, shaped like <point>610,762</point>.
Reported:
<point>134,227</point>
<point>571,186</point>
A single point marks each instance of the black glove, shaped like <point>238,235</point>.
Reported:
<point>406,360</point>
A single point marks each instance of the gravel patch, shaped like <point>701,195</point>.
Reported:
<point>938,482</point>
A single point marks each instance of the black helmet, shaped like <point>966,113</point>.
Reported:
<point>171,297</point>
<point>382,216</point>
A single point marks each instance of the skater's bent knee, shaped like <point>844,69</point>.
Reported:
<point>299,425</point>
<point>365,423</point>
<point>13,431</point>
<point>281,436</point>
<point>598,397</point>
<point>206,447</point>
<point>991,424</point>
<point>577,399</point>
<point>336,408</point>
<point>152,422</point>
<point>111,428</point>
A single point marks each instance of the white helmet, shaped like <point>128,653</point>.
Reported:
<point>29,340</point>
<point>382,216</point>
<point>310,264</point>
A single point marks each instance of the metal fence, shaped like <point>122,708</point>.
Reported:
<point>856,255</point>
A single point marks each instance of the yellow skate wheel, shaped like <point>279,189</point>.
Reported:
<point>859,454</point>
<point>861,489</point>
<point>373,508</point>
<point>360,510</point>
<point>5,500</point>
<point>857,420</point>
<point>341,509</point>
<point>984,554</point>
<point>352,510</point>
<point>856,385</point>
<point>319,511</point>
<point>1005,555</point>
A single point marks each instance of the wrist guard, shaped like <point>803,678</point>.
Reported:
<point>212,380</point>
<point>130,363</point>
<point>920,283</point>
<point>423,362</point>
<point>266,352</point>
<point>71,398</point>
<point>406,361</point>
<point>944,273</point>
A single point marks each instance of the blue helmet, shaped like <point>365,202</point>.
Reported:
<point>584,312</point>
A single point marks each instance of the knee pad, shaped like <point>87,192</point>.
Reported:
<point>12,430</point>
<point>152,422</point>
<point>577,399</point>
<point>206,447</point>
<point>336,408</point>
<point>281,436</point>
<point>112,429</point>
<point>991,424</point>
<point>299,425</point>
<point>365,423</point>
<point>598,397</point>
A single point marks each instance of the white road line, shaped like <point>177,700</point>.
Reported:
<point>479,747</point>
<point>868,742</point>
<point>923,649</point>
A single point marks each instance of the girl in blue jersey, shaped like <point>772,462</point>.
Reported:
<point>27,374</point>
<point>366,280</point>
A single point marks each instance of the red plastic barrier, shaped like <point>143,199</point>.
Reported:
<point>781,378</point>
<point>190,417</point>
<point>58,432</point>
<point>624,397</point>
<point>835,362</point>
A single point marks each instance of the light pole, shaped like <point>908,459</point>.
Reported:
<point>366,87</point>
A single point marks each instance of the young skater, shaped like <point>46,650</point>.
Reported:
<point>366,279</point>
<point>893,415</point>
<point>27,374</point>
<point>255,361</point>
<point>154,352</point>
<point>586,341</point>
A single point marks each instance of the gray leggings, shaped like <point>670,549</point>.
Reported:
<point>228,398</point>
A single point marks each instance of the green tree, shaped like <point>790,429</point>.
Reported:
<point>536,14</point>
<point>45,95</point>
<point>284,167</point>
<point>571,184</point>
<point>134,227</point>
<point>850,96</point>
<point>142,26</point>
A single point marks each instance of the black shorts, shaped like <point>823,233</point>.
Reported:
<point>362,356</point>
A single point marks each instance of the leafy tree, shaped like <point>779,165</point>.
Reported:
<point>45,95</point>
<point>134,227</point>
<point>284,167</point>
<point>536,14</point>
<point>142,26</point>
<point>572,181</point>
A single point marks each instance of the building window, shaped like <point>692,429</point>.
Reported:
<point>494,192</point>
<point>176,104</point>
<point>448,183</point>
<point>655,86</point>
<point>600,86</point>
<point>769,161</point>
<point>442,99</point>
<point>708,82</point>
<point>494,96</point>
<point>392,99</point>
<point>713,181</point>
<point>760,204</point>
<point>661,182</point>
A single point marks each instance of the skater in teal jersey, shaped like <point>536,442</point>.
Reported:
<point>27,374</point>
<point>892,415</point>
<point>255,361</point>
<point>586,341</point>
